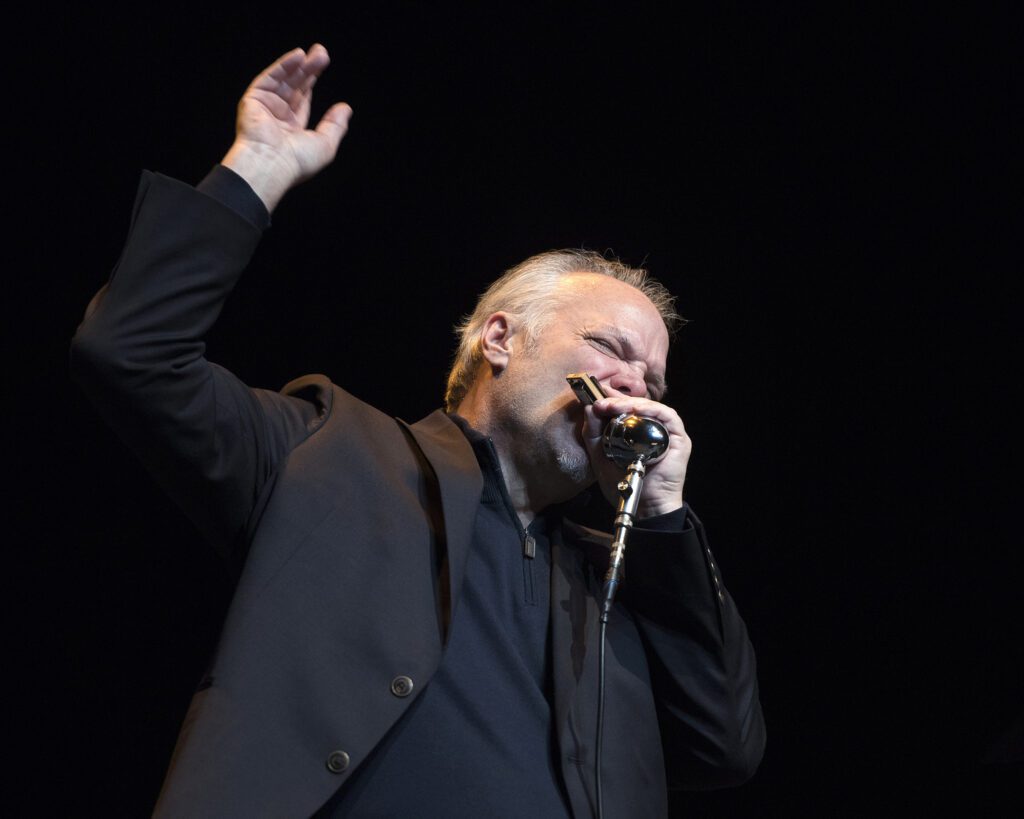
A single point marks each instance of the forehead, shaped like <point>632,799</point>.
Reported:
<point>598,299</point>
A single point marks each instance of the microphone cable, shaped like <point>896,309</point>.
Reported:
<point>600,714</point>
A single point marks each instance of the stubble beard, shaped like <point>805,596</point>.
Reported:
<point>546,440</point>
<point>572,458</point>
<point>543,434</point>
<point>575,465</point>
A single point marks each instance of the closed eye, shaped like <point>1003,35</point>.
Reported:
<point>602,343</point>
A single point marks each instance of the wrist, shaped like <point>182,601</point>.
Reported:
<point>670,522</point>
<point>263,168</point>
<point>643,512</point>
<point>654,507</point>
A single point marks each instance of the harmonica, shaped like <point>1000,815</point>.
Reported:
<point>587,390</point>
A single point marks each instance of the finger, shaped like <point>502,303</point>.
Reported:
<point>629,403</point>
<point>616,405</point>
<point>297,86</point>
<point>289,76</point>
<point>299,101</point>
<point>301,81</point>
<point>286,63</point>
<point>308,81</point>
<point>317,59</point>
<point>593,425</point>
<point>278,70</point>
<point>280,79</point>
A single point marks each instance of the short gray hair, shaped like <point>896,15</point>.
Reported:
<point>525,290</point>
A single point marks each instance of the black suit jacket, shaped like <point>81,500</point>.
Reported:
<point>351,560</point>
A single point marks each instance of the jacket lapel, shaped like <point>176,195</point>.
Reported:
<point>459,484</point>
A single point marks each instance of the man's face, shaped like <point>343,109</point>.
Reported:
<point>600,326</point>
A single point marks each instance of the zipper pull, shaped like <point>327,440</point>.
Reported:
<point>529,546</point>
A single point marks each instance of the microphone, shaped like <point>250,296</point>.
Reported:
<point>630,437</point>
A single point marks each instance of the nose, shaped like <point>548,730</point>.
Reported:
<point>628,382</point>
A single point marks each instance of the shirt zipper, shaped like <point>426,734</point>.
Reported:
<point>527,540</point>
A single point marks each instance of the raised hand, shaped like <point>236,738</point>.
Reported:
<point>274,149</point>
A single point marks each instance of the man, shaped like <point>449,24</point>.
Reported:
<point>414,625</point>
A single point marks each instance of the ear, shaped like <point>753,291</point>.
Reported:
<point>496,340</point>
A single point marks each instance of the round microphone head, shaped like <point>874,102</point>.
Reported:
<point>629,437</point>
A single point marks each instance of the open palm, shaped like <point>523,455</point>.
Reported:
<point>274,149</point>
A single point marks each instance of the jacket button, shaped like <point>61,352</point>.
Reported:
<point>401,686</point>
<point>337,761</point>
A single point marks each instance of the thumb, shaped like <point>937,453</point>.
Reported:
<point>593,426</point>
<point>334,124</point>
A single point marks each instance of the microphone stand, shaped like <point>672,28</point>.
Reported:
<point>631,442</point>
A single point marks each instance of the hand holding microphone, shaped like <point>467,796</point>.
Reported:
<point>619,428</point>
<point>626,437</point>
<point>632,441</point>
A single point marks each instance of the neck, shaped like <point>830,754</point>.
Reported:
<point>533,483</point>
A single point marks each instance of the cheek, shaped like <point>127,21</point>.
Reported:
<point>558,365</point>
<point>601,369</point>
<point>595,363</point>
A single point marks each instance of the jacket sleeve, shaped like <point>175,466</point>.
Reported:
<point>701,661</point>
<point>209,440</point>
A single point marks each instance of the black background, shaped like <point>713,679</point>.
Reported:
<point>827,191</point>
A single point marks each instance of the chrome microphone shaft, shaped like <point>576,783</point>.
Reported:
<point>631,442</point>
<point>629,496</point>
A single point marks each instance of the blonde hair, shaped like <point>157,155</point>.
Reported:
<point>525,292</point>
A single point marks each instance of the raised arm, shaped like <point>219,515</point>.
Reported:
<point>209,440</point>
